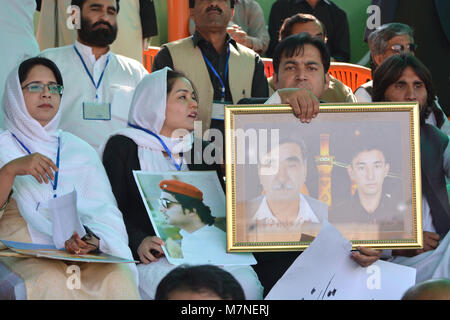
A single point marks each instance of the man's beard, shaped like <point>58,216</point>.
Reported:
<point>100,37</point>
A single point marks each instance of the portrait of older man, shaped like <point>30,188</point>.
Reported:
<point>282,212</point>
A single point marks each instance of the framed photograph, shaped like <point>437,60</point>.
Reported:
<point>355,165</point>
<point>187,211</point>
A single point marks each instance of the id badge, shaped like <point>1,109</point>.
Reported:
<point>218,110</point>
<point>96,111</point>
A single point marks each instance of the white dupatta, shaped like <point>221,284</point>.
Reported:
<point>148,111</point>
<point>80,168</point>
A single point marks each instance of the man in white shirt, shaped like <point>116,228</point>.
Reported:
<point>98,84</point>
<point>16,37</point>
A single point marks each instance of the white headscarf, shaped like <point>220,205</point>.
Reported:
<point>80,168</point>
<point>27,129</point>
<point>148,111</point>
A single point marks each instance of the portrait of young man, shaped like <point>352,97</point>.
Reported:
<point>371,207</point>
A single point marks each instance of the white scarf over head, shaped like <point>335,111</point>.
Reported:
<point>148,111</point>
<point>80,169</point>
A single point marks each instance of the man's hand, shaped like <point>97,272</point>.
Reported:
<point>430,242</point>
<point>150,249</point>
<point>37,165</point>
<point>303,102</point>
<point>240,36</point>
<point>365,256</point>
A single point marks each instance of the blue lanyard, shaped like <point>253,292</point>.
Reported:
<point>178,166</point>
<point>54,184</point>
<point>89,74</point>
<point>222,82</point>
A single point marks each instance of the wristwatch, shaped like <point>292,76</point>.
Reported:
<point>89,236</point>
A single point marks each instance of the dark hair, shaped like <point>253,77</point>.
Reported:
<point>192,3</point>
<point>288,24</point>
<point>200,278</point>
<point>365,144</point>
<point>26,66</point>
<point>294,44</point>
<point>172,76</point>
<point>189,203</point>
<point>80,3</point>
<point>392,69</point>
<point>297,140</point>
<point>438,288</point>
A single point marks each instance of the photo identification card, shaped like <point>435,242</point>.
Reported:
<point>96,111</point>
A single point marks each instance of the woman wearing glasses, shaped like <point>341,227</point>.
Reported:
<point>39,163</point>
<point>159,139</point>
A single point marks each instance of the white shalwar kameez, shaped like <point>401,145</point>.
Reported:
<point>120,78</point>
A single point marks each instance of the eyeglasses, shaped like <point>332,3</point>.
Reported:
<point>399,48</point>
<point>165,203</point>
<point>39,87</point>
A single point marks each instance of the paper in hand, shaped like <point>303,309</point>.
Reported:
<point>65,218</point>
<point>326,272</point>
<point>314,267</point>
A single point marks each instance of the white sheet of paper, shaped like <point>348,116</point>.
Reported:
<point>325,271</point>
<point>65,218</point>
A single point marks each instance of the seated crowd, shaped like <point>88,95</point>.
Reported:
<point>82,117</point>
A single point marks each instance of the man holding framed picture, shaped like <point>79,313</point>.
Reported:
<point>301,64</point>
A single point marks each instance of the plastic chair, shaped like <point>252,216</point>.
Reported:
<point>352,75</point>
<point>268,66</point>
<point>149,55</point>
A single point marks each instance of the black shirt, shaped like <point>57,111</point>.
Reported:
<point>333,17</point>
<point>387,215</point>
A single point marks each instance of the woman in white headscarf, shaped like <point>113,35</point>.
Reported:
<point>39,162</point>
<point>164,102</point>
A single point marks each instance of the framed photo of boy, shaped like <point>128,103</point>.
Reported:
<point>355,165</point>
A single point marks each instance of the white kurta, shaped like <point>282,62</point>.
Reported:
<point>117,87</point>
<point>305,213</point>
<point>17,39</point>
<point>80,168</point>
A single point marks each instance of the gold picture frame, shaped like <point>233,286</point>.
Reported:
<point>263,210</point>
